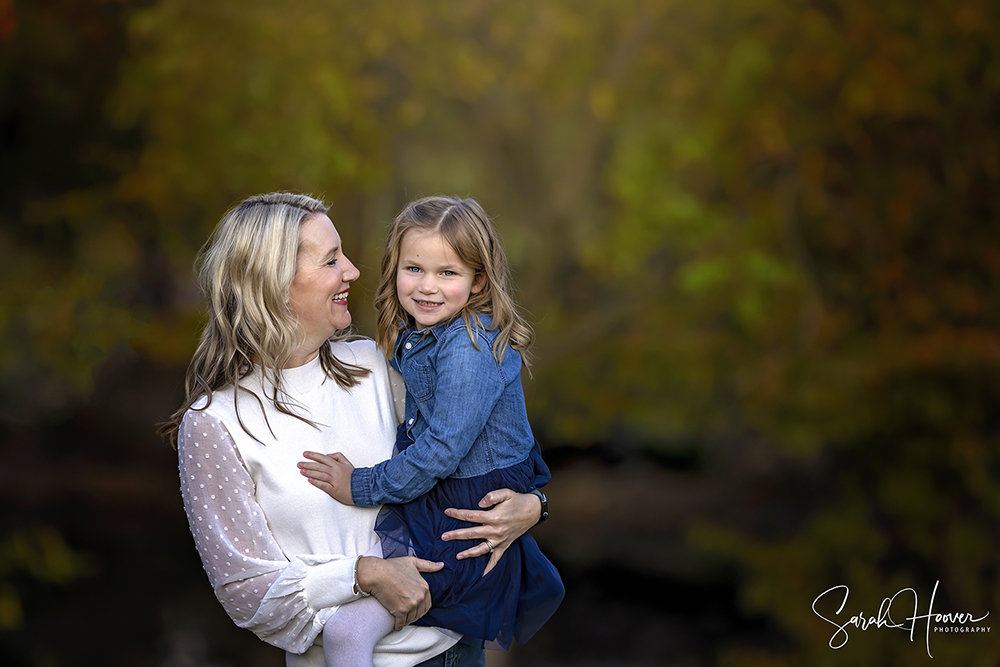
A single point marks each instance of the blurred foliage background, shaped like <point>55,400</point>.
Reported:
<point>758,240</point>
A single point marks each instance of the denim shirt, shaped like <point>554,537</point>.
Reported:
<point>465,413</point>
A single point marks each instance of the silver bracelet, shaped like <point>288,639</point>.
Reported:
<point>357,587</point>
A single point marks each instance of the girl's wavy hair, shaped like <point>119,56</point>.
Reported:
<point>467,229</point>
<point>245,271</point>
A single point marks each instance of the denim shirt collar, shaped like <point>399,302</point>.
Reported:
<point>438,330</point>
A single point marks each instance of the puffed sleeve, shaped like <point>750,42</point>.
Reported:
<point>284,602</point>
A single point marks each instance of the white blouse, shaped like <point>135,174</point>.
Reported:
<point>279,552</point>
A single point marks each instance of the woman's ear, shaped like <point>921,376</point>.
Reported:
<point>478,283</point>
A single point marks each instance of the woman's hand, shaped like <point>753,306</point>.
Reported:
<point>511,517</point>
<point>330,473</point>
<point>397,584</point>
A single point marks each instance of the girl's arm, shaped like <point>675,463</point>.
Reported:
<point>284,602</point>
<point>468,384</point>
<point>511,516</point>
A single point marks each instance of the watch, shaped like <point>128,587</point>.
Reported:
<point>545,505</point>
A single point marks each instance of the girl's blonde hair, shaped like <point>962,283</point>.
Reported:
<point>464,225</point>
<point>245,271</point>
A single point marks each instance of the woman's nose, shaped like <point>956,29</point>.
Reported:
<point>351,272</point>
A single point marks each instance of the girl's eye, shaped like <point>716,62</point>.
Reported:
<point>448,273</point>
<point>412,269</point>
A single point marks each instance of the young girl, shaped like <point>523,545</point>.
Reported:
<point>449,325</point>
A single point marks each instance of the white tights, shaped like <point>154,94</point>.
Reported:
<point>351,633</point>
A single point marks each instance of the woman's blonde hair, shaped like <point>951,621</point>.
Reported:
<point>245,271</point>
<point>464,225</point>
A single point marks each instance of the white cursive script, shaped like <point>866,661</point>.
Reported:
<point>884,617</point>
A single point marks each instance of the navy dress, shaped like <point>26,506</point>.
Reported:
<point>515,598</point>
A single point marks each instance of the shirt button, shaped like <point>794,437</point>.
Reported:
<point>410,423</point>
<point>408,346</point>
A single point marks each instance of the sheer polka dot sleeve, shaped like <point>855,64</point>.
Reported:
<point>258,586</point>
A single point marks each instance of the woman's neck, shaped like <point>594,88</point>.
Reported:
<point>301,357</point>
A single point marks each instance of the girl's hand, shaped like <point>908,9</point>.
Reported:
<point>330,473</point>
<point>397,584</point>
<point>511,517</point>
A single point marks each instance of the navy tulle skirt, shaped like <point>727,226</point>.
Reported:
<point>508,604</point>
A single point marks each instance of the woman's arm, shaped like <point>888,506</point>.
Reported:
<point>396,583</point>
<point>284,602</point>
<point>511,516</point>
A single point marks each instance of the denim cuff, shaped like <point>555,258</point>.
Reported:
<point>361,487</point>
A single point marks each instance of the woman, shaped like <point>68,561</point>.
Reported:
<point>269,380</point>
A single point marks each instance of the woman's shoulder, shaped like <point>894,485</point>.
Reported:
<point>214,409</point>
<point>201,415</point>
<point>220,406</point>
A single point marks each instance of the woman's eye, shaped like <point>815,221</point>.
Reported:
<point>332,262</point>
